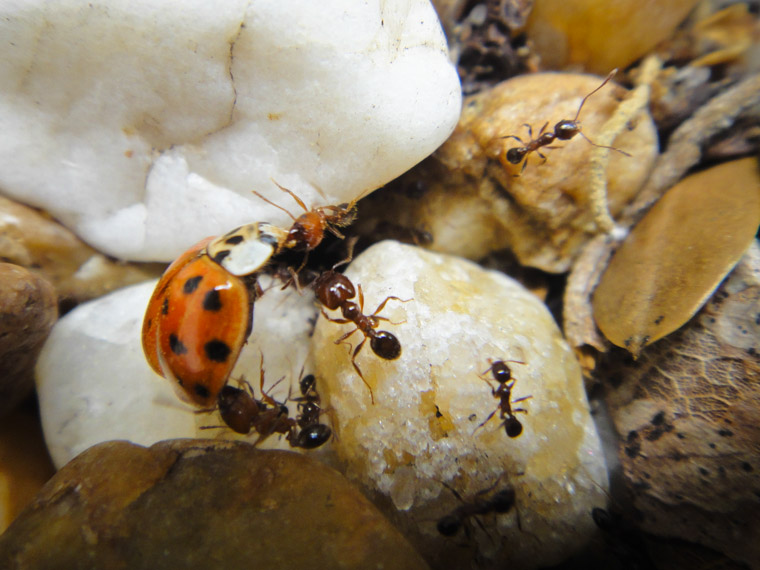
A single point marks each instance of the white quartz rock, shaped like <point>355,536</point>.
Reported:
<point>423,431</point>
<point>144,125</point>
<point>95,385</point>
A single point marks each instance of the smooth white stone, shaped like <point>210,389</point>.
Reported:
<point>144,125</point>
<point>423,429</point>
<point>95,385</point>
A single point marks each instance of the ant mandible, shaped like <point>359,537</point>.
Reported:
<point>564,130</point>
<point>503,375</point>
<point>335,291</point>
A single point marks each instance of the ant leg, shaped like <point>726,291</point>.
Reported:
<point>345,336</point>
<point>359,372</point>
<point>485,421</point>
<point>546,124</point>
<point>530,130</point>
<point>518,139</point>
<point>334,320</point>
<point>350,243</point>
<point>603,146</point>
<point>521,400</point>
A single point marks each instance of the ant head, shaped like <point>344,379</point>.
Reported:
<point>448,525</point>
<point>344,214</point>
<point>307,383</point>
<point>504,500</point>
<point>516,155</point>
<point>385,345</point>
<point>513,427</point>
<point>501,372</point>
<point>566,129</point>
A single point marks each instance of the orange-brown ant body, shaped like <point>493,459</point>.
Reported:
<point>564,130</point>
<point>503,375</point>
<point>308,229</point>
<point>335,291</point>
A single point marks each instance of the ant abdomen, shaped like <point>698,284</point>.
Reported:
<point>237,409</point>
<point>313,436</point>
<point>385,345</point>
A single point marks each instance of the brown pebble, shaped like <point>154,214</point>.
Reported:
<point>28,311</point>
<point>201,504</point>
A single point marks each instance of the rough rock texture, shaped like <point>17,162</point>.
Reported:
<point>144,126</point>
<point>95,385</point>
<point>78,273</point>
<point>201,504</point>
<point>424,431</point>
<point>472,201</point>
<point>28,311</point>
<point>687,412</point>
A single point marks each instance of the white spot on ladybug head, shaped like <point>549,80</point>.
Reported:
<point>247,249</point>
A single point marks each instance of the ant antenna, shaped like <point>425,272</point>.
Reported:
<point>609,76</point>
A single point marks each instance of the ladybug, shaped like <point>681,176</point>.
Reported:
<point>201,312</point>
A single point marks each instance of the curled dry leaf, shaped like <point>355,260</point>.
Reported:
<point>718,118</point>
<point>678,254</point>
<point>688,415</point>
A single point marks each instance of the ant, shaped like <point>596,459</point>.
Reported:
<point>334,291</point>
<point>564,130</point>
<point>500,502</point>
<point>242,412</point>
<point>308,229</point>
<point>503,375</point>
<point>309,409</point>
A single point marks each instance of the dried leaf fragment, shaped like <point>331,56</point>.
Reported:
<point>678,254</point>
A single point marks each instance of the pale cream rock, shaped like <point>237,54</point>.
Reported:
<point>95,385</point>
<point>144,125</point>
<point>424,431</point>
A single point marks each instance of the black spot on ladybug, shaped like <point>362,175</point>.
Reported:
<point>175,345</point>
<point>212,301</point>
<point>219,257</point>
<point>201,391</point>
<point>191,284</point>
<point>217,350</point>
<point>268,239</point>
<point>234,240</point>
